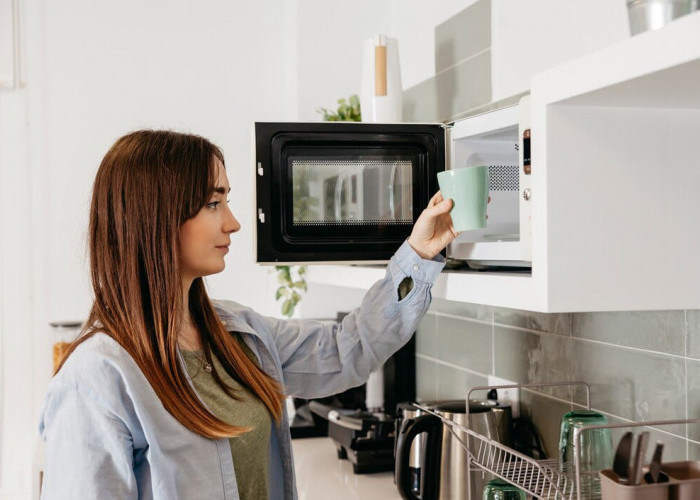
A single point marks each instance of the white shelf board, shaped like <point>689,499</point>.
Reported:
<point>655,69</point>
<point>514,290</point>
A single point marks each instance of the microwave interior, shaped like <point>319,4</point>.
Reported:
<point>342,192</point>
<point>498,242</point>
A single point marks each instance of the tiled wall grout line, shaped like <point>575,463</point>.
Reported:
<point>463,318</point>
<point>548,396</point>
<point>476,54</point>
<point>687,412</point>
<point>685,368</point>
<point>494,323</point>
<point>529,330</point>
<point>450,365</point>
<point>625,420</point>
<point>636,349</point>
<point>571,359</point>
<point>437,349</point>
<point>493,342</point>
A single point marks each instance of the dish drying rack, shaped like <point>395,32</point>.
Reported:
<point>540,479</point>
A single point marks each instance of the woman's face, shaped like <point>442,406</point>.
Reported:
<point>205,238</point>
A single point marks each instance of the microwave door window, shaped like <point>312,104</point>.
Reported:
<point>351,192</point>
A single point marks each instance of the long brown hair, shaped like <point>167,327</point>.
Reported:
<point>148,184</point>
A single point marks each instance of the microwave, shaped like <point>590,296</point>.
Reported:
<point>343,192</point>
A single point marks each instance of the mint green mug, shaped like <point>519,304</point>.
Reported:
<point>468,187</point>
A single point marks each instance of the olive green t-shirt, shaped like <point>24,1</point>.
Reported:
<point>250,451</point>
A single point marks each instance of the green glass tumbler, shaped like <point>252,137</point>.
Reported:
<point>498,489</point>
<point>595,448</point>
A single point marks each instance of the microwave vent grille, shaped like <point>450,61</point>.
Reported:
<point>504,178</point>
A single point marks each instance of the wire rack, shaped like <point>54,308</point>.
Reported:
<point>540,479</point>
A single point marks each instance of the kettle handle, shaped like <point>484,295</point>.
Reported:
<point>430,482</point>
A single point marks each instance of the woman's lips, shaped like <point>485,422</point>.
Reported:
<point>223,248</point>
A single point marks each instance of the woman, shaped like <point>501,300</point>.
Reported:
<point>169,395</point>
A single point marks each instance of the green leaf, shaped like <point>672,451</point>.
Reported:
<point>301,271</point>
<point>288,308</point>
<point>295,297</point>
<point>284,276</point>
<point>301,284</point>
<point>281,292</point>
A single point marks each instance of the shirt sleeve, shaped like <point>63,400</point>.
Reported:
<point>323,358</point>
<point>89,450</point>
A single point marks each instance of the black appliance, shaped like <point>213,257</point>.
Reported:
<point>342,192</point>
<point>366,438</point>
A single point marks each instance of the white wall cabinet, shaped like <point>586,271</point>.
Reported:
<point>615,185</point>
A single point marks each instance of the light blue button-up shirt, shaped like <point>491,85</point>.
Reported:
<point>108,435</point>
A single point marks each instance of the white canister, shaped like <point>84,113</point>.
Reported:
<point>380,98</point>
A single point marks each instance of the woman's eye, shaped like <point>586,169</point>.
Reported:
<point>213,204</point>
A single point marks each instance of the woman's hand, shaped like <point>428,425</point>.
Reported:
<point>433,230</point>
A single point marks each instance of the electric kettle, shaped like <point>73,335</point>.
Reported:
<point>444,473</point>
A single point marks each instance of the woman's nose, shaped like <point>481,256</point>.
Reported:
<point>232,225</point>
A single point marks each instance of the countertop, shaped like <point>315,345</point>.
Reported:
<point>320,475</point>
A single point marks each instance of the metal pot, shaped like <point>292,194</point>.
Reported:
<point>647,15</point>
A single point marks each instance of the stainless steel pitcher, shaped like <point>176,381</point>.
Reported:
<point>444,474</point>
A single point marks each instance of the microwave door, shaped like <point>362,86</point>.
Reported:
<point>338,192</point>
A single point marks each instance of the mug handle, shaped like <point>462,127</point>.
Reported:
<point>430,480</point>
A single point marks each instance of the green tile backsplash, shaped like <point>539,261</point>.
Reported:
<point>640,366</point>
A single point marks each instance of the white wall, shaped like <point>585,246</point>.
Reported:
<point>329,45</point>
<point>97,71</point>
<point>209,68</point>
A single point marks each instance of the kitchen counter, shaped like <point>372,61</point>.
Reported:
<point>320,474</point>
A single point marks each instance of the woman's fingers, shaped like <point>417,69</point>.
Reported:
<point>437,198</point>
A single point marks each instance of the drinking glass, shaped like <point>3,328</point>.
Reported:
<point>595,448</point>
<point>498,489</point>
